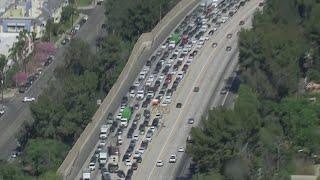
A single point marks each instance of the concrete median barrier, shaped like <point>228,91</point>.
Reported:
<point>142,50</point>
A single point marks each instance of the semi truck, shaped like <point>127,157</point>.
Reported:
<point>126,116</point>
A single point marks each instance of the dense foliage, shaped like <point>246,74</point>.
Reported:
<point>67,105</point>
<point>273,130</point>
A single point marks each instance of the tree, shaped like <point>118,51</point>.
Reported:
<point>67,13</point>
<point>44,154</point>
<point>11,172</point>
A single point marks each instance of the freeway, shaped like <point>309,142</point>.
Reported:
<point>16,111</point>
<point>205,74</point>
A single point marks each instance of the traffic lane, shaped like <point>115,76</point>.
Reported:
<point>170,169</point>
<point>92,28</point>
<point>199,101</point>
<point>12,120</point>
<point>139,173</point>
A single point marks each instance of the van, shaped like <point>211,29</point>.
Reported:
<point>119,140</point>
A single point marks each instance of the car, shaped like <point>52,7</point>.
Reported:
<point>121,174</point>
<point>190,121</point>
<point>214,45</point>
<point>102,142</point>
<point>134,166</point>
<point>159,163</point>
<point>28,99</point>
<point>173,158</point>
<point>141,150</point>
<point>189,139</point>
<point>261,4</point>
<point>129,174</point>
<point>2,111</point>
<point>119,131</point>
<point>136,154</point>
<point>196,89</point>
<point>128,162</point>
<point>92,164</point>
<point>77,27</point>
<point>178,105</point>
<point>181,149</point>
<point>223,91</point>
<point>139,160</point>
<point>136,137</point>
<point>229,36</point>
<point>241,23</point>
<point>211,32</point>
<point>228,48</point>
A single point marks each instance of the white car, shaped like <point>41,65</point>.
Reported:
<point>173,158</point>
<point>167,99</point>
<point>181,149</point>
<point>136,84</point>
<point>119,116</point>
<point>28,99</point>
<point>77,27</point>
<point>2,111</point>
<point>159,163</point>
<point>102,142</point>
<point>137,154</point>
<point>132,93</point>
<point>141,150</point>
<point>176,52</point>
<point>164,46</point>
<point>136,137</point>
<point>161,78</point>
<point>128,162</point>
<point>180,75</point>
<point>122,108</point>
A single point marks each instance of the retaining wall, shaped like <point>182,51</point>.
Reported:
<point>144,47</point>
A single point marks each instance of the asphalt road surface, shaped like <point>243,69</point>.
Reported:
<point>18,112</point>
<point>205,74</point>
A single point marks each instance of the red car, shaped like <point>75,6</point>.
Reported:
<point>134,166</point>
<point>185,68</point>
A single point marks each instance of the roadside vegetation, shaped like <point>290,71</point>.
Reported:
<point>273,130</point>
<point>65,108</point>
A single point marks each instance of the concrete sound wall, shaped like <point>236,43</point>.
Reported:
<point>142,50</point>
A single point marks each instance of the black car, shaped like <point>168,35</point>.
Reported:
<point>155,122</point>
<point>146,113</point>
<point>129,135</point>
<point>124,101</point>
<point>139,159</point>
<point>114,126</point>
<point>134,125</point>
<point>121,174</point>
<point>119,131</point>
<point>126,156</point>
<point>129,174</point>
<point>148,63</point>
<point>144,144</point>
<point>145,104</point>
<point>145,123</point>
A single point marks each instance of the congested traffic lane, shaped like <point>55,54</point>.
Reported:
<point>169,141</point>
<point>165,60</point>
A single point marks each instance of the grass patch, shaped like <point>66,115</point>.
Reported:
<point>84,2</point>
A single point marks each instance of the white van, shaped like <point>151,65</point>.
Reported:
<point>124,122</point>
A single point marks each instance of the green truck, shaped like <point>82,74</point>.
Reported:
<point>126,116</point>
<point>175,37</point>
